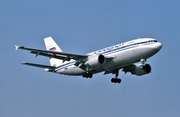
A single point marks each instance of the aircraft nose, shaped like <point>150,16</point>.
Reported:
<point>158,46</point>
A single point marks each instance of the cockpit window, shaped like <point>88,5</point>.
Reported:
<point>155,40</point>
<point>152,41</point>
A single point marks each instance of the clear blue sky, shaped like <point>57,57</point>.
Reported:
<point>82,26</point>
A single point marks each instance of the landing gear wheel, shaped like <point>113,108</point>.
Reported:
<point>119,80</point>
<point>116,80</point>
<point>87,75</point>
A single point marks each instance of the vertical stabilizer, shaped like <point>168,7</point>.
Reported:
<point>52,46</point>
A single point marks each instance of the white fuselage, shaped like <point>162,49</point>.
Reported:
<point>123,54</point>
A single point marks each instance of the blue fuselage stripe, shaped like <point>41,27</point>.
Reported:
<point>108,52</point>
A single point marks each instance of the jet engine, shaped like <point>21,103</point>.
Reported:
<point>138,70</point>
<point>142,69</point>
<point>96,60</point>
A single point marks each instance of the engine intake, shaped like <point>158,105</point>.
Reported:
<point>147,68</point>
<point>142,69</point>
<point>96,60</point>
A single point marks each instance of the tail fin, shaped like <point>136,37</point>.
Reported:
<point>52,46</point>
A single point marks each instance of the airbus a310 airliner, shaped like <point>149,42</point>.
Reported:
<point>108,60</point>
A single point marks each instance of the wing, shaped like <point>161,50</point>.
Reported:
<point>46,67</point>
<point>125,69</point>
<point>54,54</point>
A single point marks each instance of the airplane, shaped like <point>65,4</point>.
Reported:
<point>108,60</point>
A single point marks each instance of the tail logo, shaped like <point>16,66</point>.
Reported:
<point>52,49</point>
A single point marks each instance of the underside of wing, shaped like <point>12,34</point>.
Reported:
<point>46,67</point>
<point>39,65</point>
<point>127,68</point>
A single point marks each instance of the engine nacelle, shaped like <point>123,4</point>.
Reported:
<point>96,60</point>
<point>142,69</point>
<point>138,69</point>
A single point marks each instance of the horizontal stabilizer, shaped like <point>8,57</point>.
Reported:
<point>46,67</point>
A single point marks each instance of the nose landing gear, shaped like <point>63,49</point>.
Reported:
<point>143,61</point>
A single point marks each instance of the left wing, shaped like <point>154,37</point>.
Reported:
<point>54,54</point>
<point>46,67</point>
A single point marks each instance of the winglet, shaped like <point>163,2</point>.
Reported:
<point>16,47</point>
<point>24,63</point>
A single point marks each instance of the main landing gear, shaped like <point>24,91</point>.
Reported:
<point>116,79</point>
<point>87,75</point>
